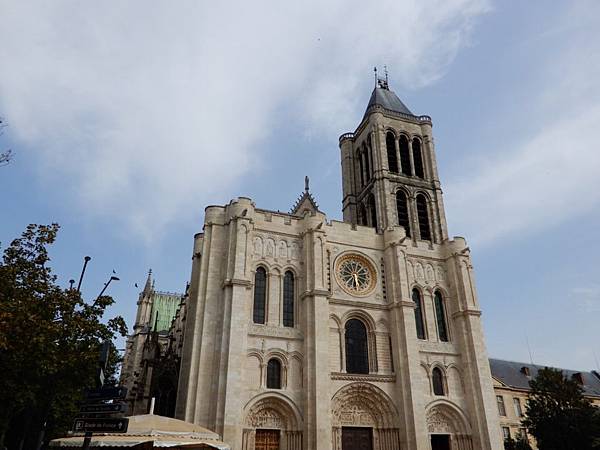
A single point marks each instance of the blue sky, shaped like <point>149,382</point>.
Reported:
<point>127,120</point>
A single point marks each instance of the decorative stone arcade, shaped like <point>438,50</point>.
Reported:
<point>364,405</point>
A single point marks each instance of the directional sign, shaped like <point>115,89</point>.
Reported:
<point>109,408</point>
<point>106,393</point>
<point>101,425</point>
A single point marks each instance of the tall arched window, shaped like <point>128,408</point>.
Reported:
<point>418,158</point>
<point>357,354</point>
<point>420,323</point>
<point>437,379</point>
<point>260,295</point>
<point>440,317</point>
<point>390,143</point>
<point>404,155</point>
<point>367,162</point>
<point>362,215</point>
<point>274,374</point>
<point>372,211</point>
<point>288,299</point>
<point>423,216</point>
<point>360,167</point>
<point>402,210</point>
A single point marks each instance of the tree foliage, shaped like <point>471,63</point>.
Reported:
<point>516,444</point>
<point>49,339</point>
<point>5,155</point>
<point>558,415</point>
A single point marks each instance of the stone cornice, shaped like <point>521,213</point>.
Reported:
<point>315,293</point>
<point>270,331</point>
<point>358,304</point>
<point>237,282</point>
<point>368,377</point>
<point>466,313</point>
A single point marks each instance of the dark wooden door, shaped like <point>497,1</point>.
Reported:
<point>266,440</point>
<point>440,442</point>
<point>354,438</point>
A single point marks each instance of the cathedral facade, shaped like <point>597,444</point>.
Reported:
<point>302,333</point>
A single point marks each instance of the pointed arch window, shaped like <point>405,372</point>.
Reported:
<point>274,374</point>
<point>418,158</point>
<point>419,322</point>
<point>373,211</point>
<point>260,294</point>
<point>440,317</point>
<point>362,215</point>
<point>404,155</point>
<point>367,154</point>
<point>390,143</point>
<point>357,355</point>
<point>423,216</point>
<point>288,299</point>
<point>437,379</point>
<point>360,167</point>
<point>402,210</point>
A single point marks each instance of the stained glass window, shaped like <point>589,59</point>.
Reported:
<point>440,315</point>
<point>416,296</point>
<point>288,299</point>
<point>274,374</point>
<point>437,379</point>
<point>260,293</point>
<point>357,355</point>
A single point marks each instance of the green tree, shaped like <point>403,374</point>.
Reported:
<point>558,415</point>
<point>519,444</point>
<point>49,340</point>
<point>6,155</point>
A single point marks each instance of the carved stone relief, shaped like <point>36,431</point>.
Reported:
<point>438,423</point>
<point>419,273</point>
<point>429,275</point>
<point>265,418</point>
<point>270,247</point>
<point>441,274</point>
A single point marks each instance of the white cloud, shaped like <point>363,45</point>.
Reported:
<point>551,174</point>
<point>586,297</point>
<point>144,110</point>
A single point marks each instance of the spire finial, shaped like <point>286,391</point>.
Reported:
<point>149,283</point>
<point>386,74</point>
<point>306,183</point>
<point>375,71</point>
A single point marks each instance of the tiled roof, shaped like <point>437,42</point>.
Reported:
<point>513,374</point>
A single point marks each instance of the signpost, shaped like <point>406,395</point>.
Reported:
<point>102,425</point>
<point>104,406</point>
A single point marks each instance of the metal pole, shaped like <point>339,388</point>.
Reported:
<point>86,260</point>
<point>86,440</point>
<point>113,278</point>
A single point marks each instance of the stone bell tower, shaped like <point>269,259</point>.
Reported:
<point>389,170</point>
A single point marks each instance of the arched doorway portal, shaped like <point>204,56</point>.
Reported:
<point>364,417</point>
<point>448,427</point>
<point>272,422</point>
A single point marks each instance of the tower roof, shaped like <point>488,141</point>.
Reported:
<point>386,98</point>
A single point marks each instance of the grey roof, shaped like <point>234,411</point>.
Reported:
<point>387,99</point>
<point>511,374</point>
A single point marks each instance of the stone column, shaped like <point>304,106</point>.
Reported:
<point>408,398</point>
<point>466,317</point>
<point>316,341</point>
